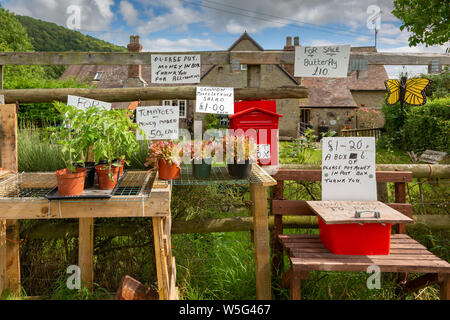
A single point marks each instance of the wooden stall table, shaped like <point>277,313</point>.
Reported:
<point>140,194</point>
<point>259,181</point>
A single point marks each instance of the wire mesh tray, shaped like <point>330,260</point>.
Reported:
<point>89,193</point>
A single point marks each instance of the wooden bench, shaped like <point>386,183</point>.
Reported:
<point>307,253</point>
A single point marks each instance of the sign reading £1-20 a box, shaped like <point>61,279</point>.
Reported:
<point>324,61</point>
<point>158,122</point>
<point>348,169</point>
<point>175,68</point>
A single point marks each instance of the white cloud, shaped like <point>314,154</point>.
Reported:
<point>178,16</point>
<point>186,44</point>
<point>129,13</point>
<point>95,15</point>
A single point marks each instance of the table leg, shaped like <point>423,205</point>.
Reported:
<point>261,239</point>
<point>86,250</point>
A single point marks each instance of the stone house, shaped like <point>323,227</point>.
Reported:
<point>331,101</point>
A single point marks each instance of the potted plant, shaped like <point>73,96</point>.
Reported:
<point>202,153</point>
<point>88,138</point>
<point>166,155</point>
<point>240,155</point>
<point>71,179</point>
<point>115,137</point>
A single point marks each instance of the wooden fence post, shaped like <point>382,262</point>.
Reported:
<point>9,162</point>
<point>261,239</point>
<point>1,80</point>
<point>86,250</point>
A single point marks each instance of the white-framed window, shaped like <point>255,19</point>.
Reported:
<point>243,67</point>
<point>182,104</point>
<point>98,76</point>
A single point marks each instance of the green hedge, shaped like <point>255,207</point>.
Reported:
<point>428,126</point>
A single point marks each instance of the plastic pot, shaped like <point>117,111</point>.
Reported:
<point>69,183</point>
<point>90,174</point>
<point>166,171</point>
<point>104,181</point>
<point>240,170</point>
<point>201,170</point>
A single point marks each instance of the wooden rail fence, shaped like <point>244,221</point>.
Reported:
<point>363,132</point>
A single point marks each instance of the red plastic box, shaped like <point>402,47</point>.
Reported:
<point>355,238</point>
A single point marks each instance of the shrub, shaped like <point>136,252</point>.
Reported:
<point>428,126</point>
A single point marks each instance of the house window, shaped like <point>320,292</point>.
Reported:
<point>98,76</point>
<point>243,67</point>
<point>305,115</point>
<point>182,104</point>
<point>224,121</point>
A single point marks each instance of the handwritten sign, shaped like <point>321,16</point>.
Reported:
<point>158,122</point>
<point>215,100</point>
<point>348,169</point>
<point>84,103</point>
<point>175,68</point>
<point>263,151</point>
<point>324,61</point>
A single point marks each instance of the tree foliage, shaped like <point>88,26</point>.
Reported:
<point>427,20</point>
<point>47,36</point>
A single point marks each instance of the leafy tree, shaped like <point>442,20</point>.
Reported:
<point>427,20</point>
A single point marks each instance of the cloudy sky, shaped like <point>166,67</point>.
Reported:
<point>183,25</point>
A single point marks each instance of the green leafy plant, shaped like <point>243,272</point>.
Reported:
<point>114,135</point>
<point>69,135</point>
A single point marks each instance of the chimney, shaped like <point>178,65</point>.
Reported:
<point>296,41</point>
<point>134,71</point>
<point>288,46</point>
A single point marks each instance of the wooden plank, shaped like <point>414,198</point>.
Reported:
<point>316,175</point>
<point>10,162</point>
<point>159,261</point>
<point>8,116</point>
<point>302,264</point>
<point>404,251</point>
<point>261,239</point>
<point>445,286</point>
<point>301,208</point>
<point>418,170</point>
<point>156,205</point>
<point>148,93</point>
<point>207,57</point>
<point>388,257</point>
<point>86,251</point>
<point>295,287</point>
<point>2,256</point>
<point>344,212</point>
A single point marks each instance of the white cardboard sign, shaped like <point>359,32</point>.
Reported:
<point>348,169</point>
<point>175,68</point>
<point>263,151</point>
<point>158,122</point>
<point>217,100</point>
<point>84,103</point>
<point>324,61</point>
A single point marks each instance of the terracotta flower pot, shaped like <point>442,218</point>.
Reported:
<point>69,183</point>
<point>168,172</point>
<point>104,181</point>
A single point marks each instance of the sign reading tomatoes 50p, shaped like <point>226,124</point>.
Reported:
<point>158,122</point>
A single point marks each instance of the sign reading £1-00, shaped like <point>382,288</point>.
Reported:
<point>324,61</point>
<point>175,68</point>
<point>158,122</point>
<point>214,100</point>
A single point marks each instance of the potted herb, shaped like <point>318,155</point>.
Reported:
<point>71,179</point>
<point>240,154</point>
<point>115,137</point>
<point>88,138</point>
<point>202,153</point>
<point>166,155</point>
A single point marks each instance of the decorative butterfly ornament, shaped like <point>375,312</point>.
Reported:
<point>409,91</point>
